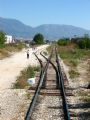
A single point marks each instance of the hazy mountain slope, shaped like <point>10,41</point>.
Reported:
<point>56,31</point>
<point>15,28</point>
<point>50,31</point>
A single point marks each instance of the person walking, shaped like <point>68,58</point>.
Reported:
<point>27,54</point>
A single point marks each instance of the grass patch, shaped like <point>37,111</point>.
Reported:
<point>28,95</point>
<point>45,53</point>
<point>21,81</point>
<point>82,93</point>
<point>86,99</point>
<point>84,96</point>
<point>73,73</point>
<point>73,62</point>
<point>72,55</point>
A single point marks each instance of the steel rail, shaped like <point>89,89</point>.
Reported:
<point>37,91</point>
<point>40,61</point>
<point>41,64</point>
<point>42,67</point>
<point>61,85</point>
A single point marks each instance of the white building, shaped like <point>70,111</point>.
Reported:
<point>9,39</point>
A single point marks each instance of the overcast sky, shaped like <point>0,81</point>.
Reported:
<point>37,12</point>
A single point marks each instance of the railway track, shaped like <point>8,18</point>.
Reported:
<point>49,101</point>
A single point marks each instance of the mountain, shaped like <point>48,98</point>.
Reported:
<point>55,31</point>
<point>15,27</point>
<point>50,31</point>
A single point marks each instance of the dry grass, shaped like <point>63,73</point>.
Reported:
<point>84,96</point>
<point>8,49</point>
<point>72,55</point>
<point>73,73</point>
<point>3,53</point>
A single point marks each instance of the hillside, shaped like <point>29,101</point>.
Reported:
<point>50,31</point>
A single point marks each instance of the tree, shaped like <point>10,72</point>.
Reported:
<point>81,43</point>
<point>63,41</point>
<point>38,39</point>
<point>2,38</point>
<point>87,41</point>
<point>84,43</point>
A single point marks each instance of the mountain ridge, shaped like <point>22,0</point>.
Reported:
<point>17,28</point>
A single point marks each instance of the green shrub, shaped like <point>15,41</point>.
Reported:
<point>21,81</point>
<point>84,43</point>
<point>63,42</point>
<point>81,44</point>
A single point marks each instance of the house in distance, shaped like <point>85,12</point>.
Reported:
<point>9,39</point>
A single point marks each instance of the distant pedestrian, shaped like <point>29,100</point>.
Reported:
<point>33,48</point>
<point>27,54</point>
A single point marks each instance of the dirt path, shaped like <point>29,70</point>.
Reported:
<point>10,67</point>
<point>14,102</point>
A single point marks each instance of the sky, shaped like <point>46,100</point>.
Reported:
<point>37,12</point>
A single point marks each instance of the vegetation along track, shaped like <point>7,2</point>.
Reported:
<point>49,101</point>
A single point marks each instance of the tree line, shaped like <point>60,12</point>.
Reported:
<point>81,42</point>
